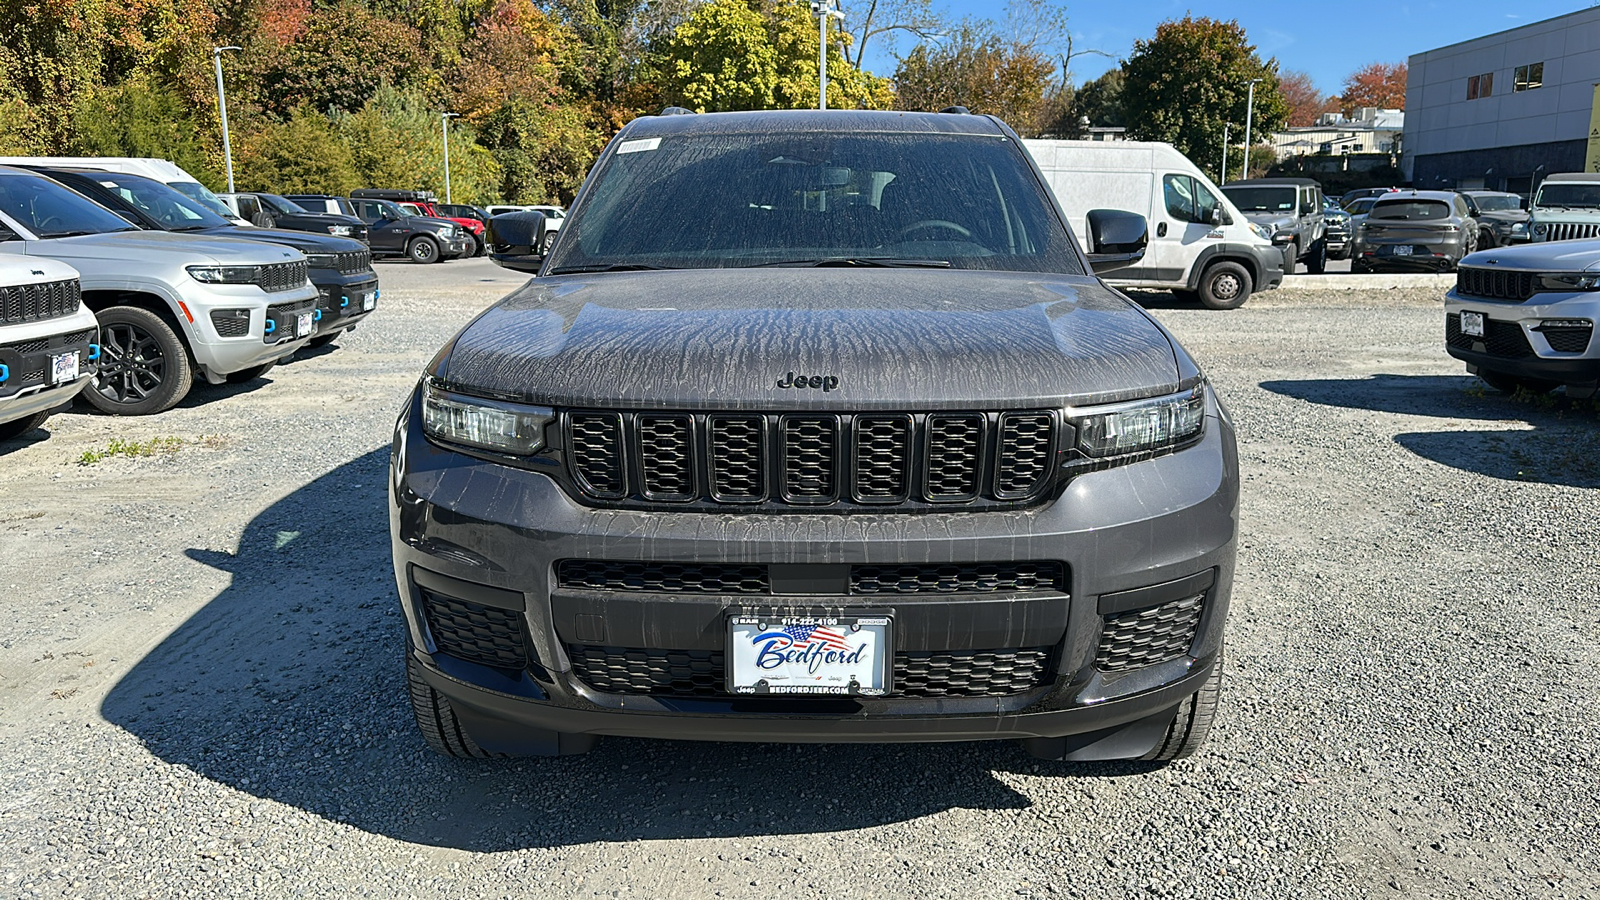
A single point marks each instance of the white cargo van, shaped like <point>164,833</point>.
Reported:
<point>1201,246</point>
<point>168,173</point>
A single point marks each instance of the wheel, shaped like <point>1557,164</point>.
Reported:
<point>1317,262</point>
<point>1360,268</point>
<point>423,250</point>
<point>323,340</point>
<point>1509,384</point>
<point>1186,296</point>
<point>144,366</point>
<point>436,719</point>
<point>22,426</point>
<point>478,247</point>
<point>1225,285</point>
<point>1291,256</point>
<point>1188,731</point>
<point>245,376</point>
<point>1487,240</point>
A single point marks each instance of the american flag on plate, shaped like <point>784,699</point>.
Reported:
<point>827,637</point>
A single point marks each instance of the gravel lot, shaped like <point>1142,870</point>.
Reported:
<point>201,691</point>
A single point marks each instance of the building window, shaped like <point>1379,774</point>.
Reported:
<point>1480,86</point>
<point>1529,77</point>
<point>1472,88</point>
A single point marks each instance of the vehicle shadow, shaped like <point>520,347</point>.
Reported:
<point>1562,446</point>
<point>289,686</point>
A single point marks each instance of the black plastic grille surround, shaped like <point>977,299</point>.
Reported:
<point>37,302</point>
<point>285,318</point>
<point>1145,637</point>
<point>789,460</point>
<point>1495,284</point>
<point>1567,340</point>
<point>476,633</point>
<point>703,673</point>
<point>1500,338</point>
<point>231,322</point>
<point>29,360</point>
<point>354,262</point>
<point>278,277</point>
<point>865,580</point>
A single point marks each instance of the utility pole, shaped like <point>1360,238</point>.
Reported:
<point>1249,109</point>
<point>444,128</point>
<point>1224,169</point>
<point>825,10</point>
<point>222,105</point>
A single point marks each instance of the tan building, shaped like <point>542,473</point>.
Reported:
<point>1372,130</point>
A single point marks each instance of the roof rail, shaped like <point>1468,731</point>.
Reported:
<point>957,110</point>
<point>677,111</point>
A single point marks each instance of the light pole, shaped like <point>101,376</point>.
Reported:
<point>1225,127</point>
<point>1249,109</point>
<point>825,10</point>
<point>222,105</point>
<point>444,129</point>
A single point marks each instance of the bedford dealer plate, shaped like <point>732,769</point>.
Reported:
<point>64,368</point>
<point>1472,324</point>
<point>305,327</point>
<point>798,654</point>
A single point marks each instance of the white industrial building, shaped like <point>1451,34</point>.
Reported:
<point>1370,130</point>
<point>1500,111</point>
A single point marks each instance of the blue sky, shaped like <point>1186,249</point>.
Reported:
<point>1329,40</point>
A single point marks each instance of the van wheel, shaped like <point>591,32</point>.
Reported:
<point>423,250</point>
<point>1226,285</point>
<point>1187,733</point>
<point>1317,262</point>
<point>22,426</point>
<point>144,366</point>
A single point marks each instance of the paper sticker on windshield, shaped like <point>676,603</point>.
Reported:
<point>639,146</point>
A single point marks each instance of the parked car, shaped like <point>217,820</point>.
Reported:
<point>393,232</point>
<point>49,341</point>
<point>340,268</point>
<point>272,211</point>
<point>164,171</point>
<point>327,203</point>
<point>171,306</point>
<point>1349,197</point>
<point>464,211</point>
<point>1522,318</point>
<point>424,203</point>
<point>1498,214</point>
<point>617,495</point>
<point>1337,223</point>
<point>1291,210</point>
<point>1566,207</point>
<point>1414,230</point>
<point>1203,249</point>
<point>1358,209</point>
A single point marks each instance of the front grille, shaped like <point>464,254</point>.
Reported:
<point>355,262</point>
<point>231,322</point>
<point>811,460</point>
<point>476,633</point>
<point>1570,231</point>
<point>285,321</point>
<point>37,302</point>
<point>1148,636</point>
<point>29,360</point>
<point>1503,339</point>
<point>703,673</point>
<point>865,580</point>
<point>1496,285</point>
<point>1567,340</point>
<point>279,277</point>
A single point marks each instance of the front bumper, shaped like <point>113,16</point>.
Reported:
<point>1270,262</point>
<point>1520,340</point>
<point>1131,538</point>
<point>342,299</point>
<point>460,246</point>
<point>26,363</point>
<point>249,327</point>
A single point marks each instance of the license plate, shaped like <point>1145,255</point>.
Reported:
<point>817,655</point>
<point>369,300</point>
<point>306,324</point>
<point>1400,250</point>
<point>64,368</point>
<point>1472,324</point>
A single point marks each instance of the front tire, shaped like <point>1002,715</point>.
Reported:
<point>1187,733</point>
<point>423,250</point>
<point>1317,263</point>
<point>1225,285</point>
<point>144,366</point>
<point>20,427</point>
<point>436,718</point>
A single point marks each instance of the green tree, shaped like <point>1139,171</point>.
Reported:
<point>140,117</point>
<point>1100,101</point>
<point>302,155</point>
<point>980,70</point>
<point>332,59</point>
<point>1192,77</point>
<point>396,141</point>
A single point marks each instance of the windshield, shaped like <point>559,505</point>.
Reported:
<point>1410,209</point>
<point>1568,194</point>
<point>175,211</point>
<point>204,197</point>
<point>50,211</point>
<point>281,205</point>
<point>1262,199</point>
<point>739,199</point>
<point>1360,207</point>
<point>1498,204</point>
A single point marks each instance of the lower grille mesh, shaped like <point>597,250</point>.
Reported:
<point>1148,636</point>
<point>1503,339</point>
<point>724,578</point>
<point>476,633</point>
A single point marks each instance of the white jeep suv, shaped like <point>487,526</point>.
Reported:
<point>49,342</point>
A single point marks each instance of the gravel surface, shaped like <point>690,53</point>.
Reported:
<point>201,691</point>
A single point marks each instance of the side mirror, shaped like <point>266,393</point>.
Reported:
<point>1218,217</point>
<point>516,241</point>
<point>1117,239</point>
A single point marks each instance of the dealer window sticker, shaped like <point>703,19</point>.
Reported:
<point>638,146</point>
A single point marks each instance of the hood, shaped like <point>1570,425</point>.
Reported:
<point>893,338</point>
<point>1270,220</point>
<point>1544,256</point>
<point>304,241</point>
<point>147,247</point>
<point>330,218</point>
<point>431,220</point>
<point>1504,215</point>
<point>20,270</point>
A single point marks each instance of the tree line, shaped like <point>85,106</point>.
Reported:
<point>329,95</point>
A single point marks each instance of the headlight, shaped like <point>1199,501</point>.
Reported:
<point>340,230</point>
<point>489,424</point>
<point>1140,426</point>
<point>1573,282</point>
<point>1519,228</point>
<point>322,260</point>
<point>223,274</point>
<point>1261,231</point>
<point>1283,237</point>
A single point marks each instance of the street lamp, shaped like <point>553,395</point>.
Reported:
<point>1249,108</point>
<point>1224,169</point>
<point>444,129</point>
<point>222,105</point>
<point>825,10</point>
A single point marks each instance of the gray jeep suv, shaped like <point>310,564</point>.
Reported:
<point>863,450</point>
<point>1290,209</point>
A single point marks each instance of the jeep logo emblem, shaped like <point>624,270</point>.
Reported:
<point>800,382</point>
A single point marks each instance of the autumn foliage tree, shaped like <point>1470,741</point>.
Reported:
<point>977,68</point>
<point>1306,101</point>
<point>1379,84</point>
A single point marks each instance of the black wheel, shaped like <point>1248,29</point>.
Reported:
<point>423,250</point>
<point>1291,256</point>
<point>437,721</point>
<point>22,426</point>
<point>1360,268</point>
<point>1186,296</point>
<point>1487,240</point>
<point>1188,731</point>
<point>1225,285</point>
<point>1509,384</point>
<point>1317,262</point>
<point>478,247</point>
<point>323,340</point>
<point>245,376</point>
<point>144,366</point>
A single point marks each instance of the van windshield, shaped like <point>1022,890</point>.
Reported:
<point>1567,194</point>
<point>175,211</point>
<point>51,211</point>
<point>738,199</point>
<point>1262,199</point>
<point>198,192</point>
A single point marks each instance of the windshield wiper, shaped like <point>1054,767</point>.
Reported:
<point>611,267</point>
<point>879,262</point>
